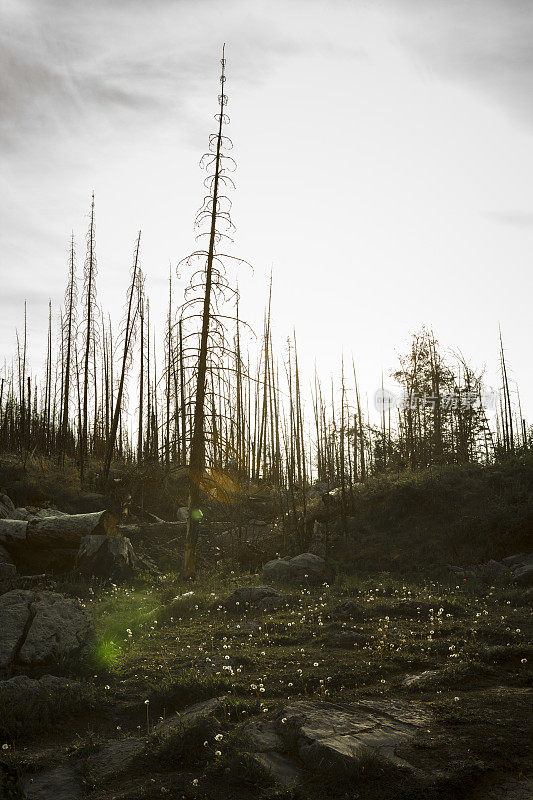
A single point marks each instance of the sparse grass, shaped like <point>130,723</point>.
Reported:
<point>409,521</point>
<point>186,689</point>
<point>187,650</point>
<point>188,746</point>
<point>373,775</point>
<point>29,716</point>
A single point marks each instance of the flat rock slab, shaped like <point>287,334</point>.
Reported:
<point>37,627</point>
<point>267,747</point>
<point>339,734</point>
<point>61,783</point>
<point>283,770</point>
<point>264,736</point>
<point>191,714</point>
<point>115,756</point>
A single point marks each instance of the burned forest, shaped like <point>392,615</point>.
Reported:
<point>229,569</point>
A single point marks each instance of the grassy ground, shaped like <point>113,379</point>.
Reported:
<point>461,514</point>
<point>173,644</point>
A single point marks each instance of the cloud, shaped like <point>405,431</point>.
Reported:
<point>484,43</point>
<point>78,68</point>
<point>515,219</point>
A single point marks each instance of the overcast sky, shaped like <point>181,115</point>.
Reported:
<point>384,161</point>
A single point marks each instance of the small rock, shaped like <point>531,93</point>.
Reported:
<point>268,745</point>
<point>8,571</point>
<point>12,531</point>
<point>492,572</point>
<point>269,604</point>
<point>420,678</point>
<point>510,788</point>
<point>5,558</point>
<point>182,514</point>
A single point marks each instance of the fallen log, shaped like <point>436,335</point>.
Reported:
<point>68,530</point>
<point>151,531</point>
<point>50,544</point>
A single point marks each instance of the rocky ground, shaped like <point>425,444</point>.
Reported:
<point>295,681</point>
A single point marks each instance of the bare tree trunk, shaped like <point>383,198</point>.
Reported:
<point>129,331</point>
<point>197,456</point>
<point>90,269</point>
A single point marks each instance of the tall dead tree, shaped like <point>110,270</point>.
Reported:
<point>128,333</point>
<point>69,324</point>
<point>141,381</point>
<point>89,301</point>
<point>208,290</point>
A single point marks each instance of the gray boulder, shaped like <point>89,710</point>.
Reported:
<point>514,561</point>
<point>306,568</point>
<point>61,783</point>
<point>249,596</point>
<point>38,627</point>
<point>5,557</point>
<point>106,557</point>
<point>516,569</point>
<point>339,735</point>
<point>523,575</point>
<point>521,566</point>
<point>7,506</point>
<point>492,572</point>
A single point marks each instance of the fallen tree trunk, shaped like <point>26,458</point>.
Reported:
<point>69,530</point>
<point>51,543</point>
<point>151,531</point>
